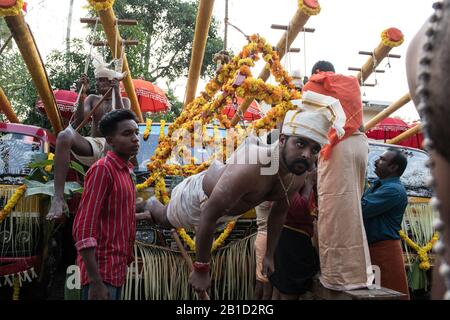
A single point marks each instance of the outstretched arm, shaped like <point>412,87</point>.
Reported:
<point>229,190</point>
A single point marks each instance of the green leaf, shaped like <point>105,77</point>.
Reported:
<point>77,167</point>
<point>36,187</point>
<point>41,164</point>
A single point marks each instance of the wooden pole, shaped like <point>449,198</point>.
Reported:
<point>387,112</point>
<point>86,119</point>
<point>6,108</point>
<point>203,295</point>
<point>198,47</point>
<point>27,46</point>
<point>405,135</point>
<point>295,26</point>
<point>108,20</point>
<point>380,52</point>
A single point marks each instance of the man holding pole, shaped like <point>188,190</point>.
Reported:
<point>87,150</point>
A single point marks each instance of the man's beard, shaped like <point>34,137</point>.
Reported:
<point>291,165</point>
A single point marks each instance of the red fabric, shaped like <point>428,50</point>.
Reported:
<point>253,112</point>
<point>7,3</point>
<point>388,255</point>
<point>65,101</point>
<point>311,3</point>
<point>346,89</point>
<point>298,215</point>
<point>394,34</point>
<point>151,98</point>
<point>106,219</point>
<point>389,128</point>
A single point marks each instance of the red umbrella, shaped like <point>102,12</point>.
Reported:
<point>65,101</point>
<point>150,97</point>
<point>253,112</point>
<point>387,129</point>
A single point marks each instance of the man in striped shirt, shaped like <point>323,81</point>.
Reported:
<point>104,227</point>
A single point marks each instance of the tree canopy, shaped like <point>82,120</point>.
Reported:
<point>165,32</point>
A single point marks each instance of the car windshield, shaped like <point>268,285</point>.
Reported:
<point>16,153</point>
<point>148,147</point>
<point>415,174</point>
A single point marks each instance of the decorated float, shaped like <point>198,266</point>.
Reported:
<point>160,271</point>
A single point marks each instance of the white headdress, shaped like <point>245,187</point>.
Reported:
<point>297,79</point>
<point>102,70</point>
<point>315,115</point>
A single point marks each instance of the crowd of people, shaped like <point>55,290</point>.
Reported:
<point>317,219</point>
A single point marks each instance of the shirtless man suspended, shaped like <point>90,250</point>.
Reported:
<point>254,173</point>
<point>86,150</point>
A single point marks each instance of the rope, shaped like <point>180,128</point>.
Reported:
<point>246,36</point>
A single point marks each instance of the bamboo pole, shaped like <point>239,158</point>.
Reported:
<point>202,23</point>
<point>203,295</point>
<point>405,135</point>
<point>108,20</point>
<point>295,26</point>
<point>387,112</point>
<point>27,46</point>
<point>6,108</point>
<point>380,52</point>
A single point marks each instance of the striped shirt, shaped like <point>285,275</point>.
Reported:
<point>106,219</point>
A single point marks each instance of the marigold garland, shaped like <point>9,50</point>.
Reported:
<point>16,288</point>
<point>208,106</point>
<point>12,11</point>
<point>100,5</point>
<point>12,202</point>
<point>422,252</point>
<point>48,168</point>
<point>308,10</point>
<point>148,128</point>
<point>389,43</point>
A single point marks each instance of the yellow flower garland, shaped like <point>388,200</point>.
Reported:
<point>49,167</point>
<point>163,196</point>
<point>421,251</point>
<point>389,43</point>
<point>12,202</point>
<point>101,4</point>
<point>217,242</point>
<point>148,128</point>
<point>16,290</point>
<point>308,10</point>
<point>12,11</point>
<point>209,105</point>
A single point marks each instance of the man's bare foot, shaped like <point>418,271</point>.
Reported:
<point>57,209</point>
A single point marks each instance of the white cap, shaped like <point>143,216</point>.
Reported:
<point>297,78</point>
<point>315,115</point>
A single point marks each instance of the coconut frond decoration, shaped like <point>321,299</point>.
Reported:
<point>162,274</point>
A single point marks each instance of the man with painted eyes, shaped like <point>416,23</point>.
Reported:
<point>255,172</point>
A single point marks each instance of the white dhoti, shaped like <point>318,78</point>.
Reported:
<point>186,203</point>
<point>344,253</point>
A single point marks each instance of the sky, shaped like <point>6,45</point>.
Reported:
<point>342,28</point>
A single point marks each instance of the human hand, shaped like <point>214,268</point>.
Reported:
<point>200,281</point>
<point>268,266</point>
<point>98,291</point>
<point>84,81</point>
